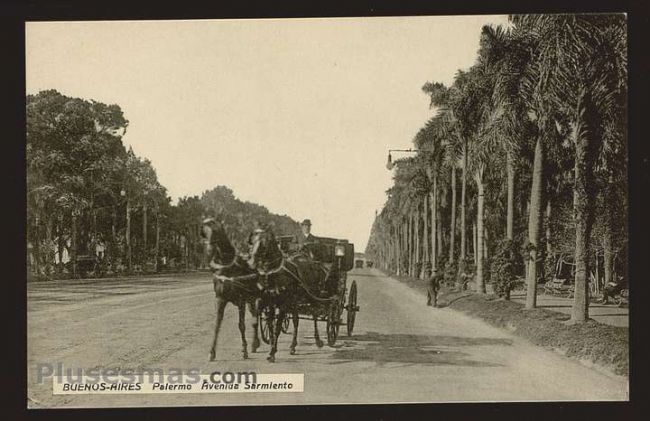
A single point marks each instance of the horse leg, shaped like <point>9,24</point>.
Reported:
<point>242,328</point>
<point>319,343</point>
<point>294,341</point>
<point>220,304</point>
<point>254,310</point>
<point>276,327</point>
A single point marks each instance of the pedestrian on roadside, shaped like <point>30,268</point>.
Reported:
<point>433,288</point>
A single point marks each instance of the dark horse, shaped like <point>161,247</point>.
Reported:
<point>234,282</point>
<point>289,282</point>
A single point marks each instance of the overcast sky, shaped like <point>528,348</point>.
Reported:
<point>294,114</point>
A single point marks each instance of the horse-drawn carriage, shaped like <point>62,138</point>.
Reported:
<point>279,282</point>
<point>326,293</point>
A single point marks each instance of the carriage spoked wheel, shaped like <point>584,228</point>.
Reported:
<point>264,322</point>
<point>285,324</point>
<point>352,307</point>
<point>333,323</point>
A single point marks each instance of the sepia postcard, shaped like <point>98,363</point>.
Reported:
<point>304,211</point>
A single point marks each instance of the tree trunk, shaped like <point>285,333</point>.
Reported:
<point>127,235</point>
<point>113,248</point>
<point>511,195</point>
<point>549,247</point>
<point>462,203</point>
<point>37,246</point>
<point>411,243</point>
<point>480,284</point>
<point>59,238</point>
<point>452,226</point>
<point>474,246</point>
<point>534,223</point>
<point>398,249</point>
<point>144,232</point>
<point>434,224</point>
<point>157,238</point>
<point>583,219</point>
<point>439,229</point>
<point>425,231</point>
<point>417,239</point>
<point>608,255</point>
<point>485,243</point>
<point>73,250</point>
<point>49,251</point>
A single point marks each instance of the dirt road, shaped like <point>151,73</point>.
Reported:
<point>401,351</point>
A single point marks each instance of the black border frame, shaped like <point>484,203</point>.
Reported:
<point>14,13</point>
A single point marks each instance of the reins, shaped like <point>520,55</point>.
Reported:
<point>283,268</point>
<point>236,281</point>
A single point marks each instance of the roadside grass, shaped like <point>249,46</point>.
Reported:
<point>592,342</point>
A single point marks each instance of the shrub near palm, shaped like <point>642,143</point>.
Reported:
<point>465,274</point>
<point>506,264</point>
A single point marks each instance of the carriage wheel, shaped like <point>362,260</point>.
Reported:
<point>333,324</point>
<point>285,324</point>
<point>352,307</point>
<point>264,323</point>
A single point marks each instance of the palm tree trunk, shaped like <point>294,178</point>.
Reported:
<point>534,223</point>
<point>474,242</point>
<point>411,244</point>
<point>485,242</point>
<point>582,211</point>
<point>452,226</point>
<point>439,234</point>
<point>511,195</point>
<point>463,192</point>
<point>480,284</point>
<point>396,249</point>
<point>434,223</point>
<point>425,230</point>
<point>417,239</point>
<point>608,255</point>
<point>407,269</point>
<point>549,246</point>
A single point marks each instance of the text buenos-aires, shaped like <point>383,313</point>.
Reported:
<point>94,387</point>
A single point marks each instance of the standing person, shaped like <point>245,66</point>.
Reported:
<point>433,286</point>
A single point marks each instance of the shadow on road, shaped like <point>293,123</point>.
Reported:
<point>413,349</point>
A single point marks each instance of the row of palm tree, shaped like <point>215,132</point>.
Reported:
<point>536,128</point>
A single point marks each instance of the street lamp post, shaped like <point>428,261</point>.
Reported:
<point>390,164</point>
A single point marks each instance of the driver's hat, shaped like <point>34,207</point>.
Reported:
<point>306,222</point>
<point>208,220</point>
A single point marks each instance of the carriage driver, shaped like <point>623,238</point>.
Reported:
<point>305,234</point>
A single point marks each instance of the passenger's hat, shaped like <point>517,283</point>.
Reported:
<point>306,222</point>
<point>208,220</point>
